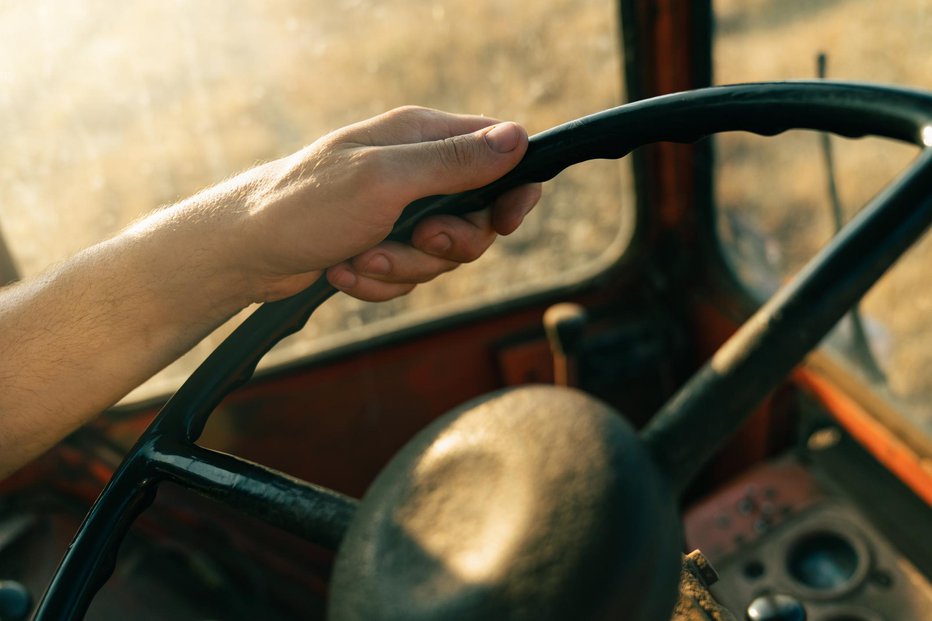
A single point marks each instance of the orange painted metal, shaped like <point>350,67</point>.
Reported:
<point>896,455</point>
<point>668,47</point>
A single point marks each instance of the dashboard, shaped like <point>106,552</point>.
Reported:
<point>809,537</point>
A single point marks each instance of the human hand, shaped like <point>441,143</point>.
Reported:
<point>330,206</point>
<point>106,319</point>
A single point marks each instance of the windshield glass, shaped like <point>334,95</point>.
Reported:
<point>110,109</point>
<point>775,196</point>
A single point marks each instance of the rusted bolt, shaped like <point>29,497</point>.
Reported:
<point>702,567</point>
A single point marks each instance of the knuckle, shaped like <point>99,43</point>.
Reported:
<point>450,267</point>
<point>410,116</point>
<point>437,270</point>
<point>408,111</point>
<point>390,293</point>
<point>472,250</point>
<point>457,152</point>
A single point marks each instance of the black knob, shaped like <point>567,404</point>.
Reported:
<point>776,607</point>
<point>466,523</point>
<point>15,601</point>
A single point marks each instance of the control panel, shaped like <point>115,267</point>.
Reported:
<point>788,549</point>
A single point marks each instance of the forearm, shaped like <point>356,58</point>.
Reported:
<point>77,339</point>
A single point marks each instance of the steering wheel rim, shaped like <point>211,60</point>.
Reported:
<point>765,349</point>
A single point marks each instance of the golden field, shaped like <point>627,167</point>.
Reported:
<point>778,185</point>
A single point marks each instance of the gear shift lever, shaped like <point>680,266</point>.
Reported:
<point>565,324</point>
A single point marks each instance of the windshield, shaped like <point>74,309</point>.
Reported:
<point>782,198</point>
<point>110,109</point>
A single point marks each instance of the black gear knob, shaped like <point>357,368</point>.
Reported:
<point>15,601</point>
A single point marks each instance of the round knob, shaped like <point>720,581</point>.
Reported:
<point>776,607</point>
<point>534,504</point>
<point>15,601</point>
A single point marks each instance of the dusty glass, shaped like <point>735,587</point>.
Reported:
<point>775,206</point>
<point>110,109</point>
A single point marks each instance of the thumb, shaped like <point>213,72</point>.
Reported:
<point>458,163</point>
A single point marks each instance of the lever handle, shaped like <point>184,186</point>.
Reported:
<point>565,324</point>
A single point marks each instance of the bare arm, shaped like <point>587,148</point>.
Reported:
<point>75,340</point>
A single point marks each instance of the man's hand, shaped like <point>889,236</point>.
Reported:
<point>77,339</point>
<point>332,203</point>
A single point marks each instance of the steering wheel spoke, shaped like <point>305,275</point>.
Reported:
<point>309,511</point>
<point>691,426</point>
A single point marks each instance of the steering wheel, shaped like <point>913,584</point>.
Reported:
<point>666,454</point>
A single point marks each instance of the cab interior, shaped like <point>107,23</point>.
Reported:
<point>820,496</point>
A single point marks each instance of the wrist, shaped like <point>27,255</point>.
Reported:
<point>186,255</point>
<point>274,253</point>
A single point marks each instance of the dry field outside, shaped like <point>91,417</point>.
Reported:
<point>111,109</point>
<point>775,188</point>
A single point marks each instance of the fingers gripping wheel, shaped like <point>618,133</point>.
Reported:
<point>533,504</point>
<point>679,438</point>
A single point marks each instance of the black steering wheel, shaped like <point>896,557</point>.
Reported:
<point>678,440</point>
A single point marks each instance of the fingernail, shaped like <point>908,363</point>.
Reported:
<point>438,244</point>
<point>378,265</point>
<point>503,138</point>
<point>342,279</point>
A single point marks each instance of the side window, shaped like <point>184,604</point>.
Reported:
<point>111,109</point>
<point>774,195</point>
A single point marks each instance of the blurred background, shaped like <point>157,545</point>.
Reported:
<point>109,110</point>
